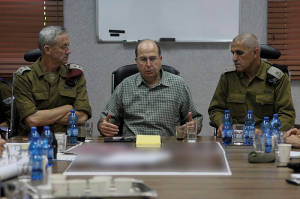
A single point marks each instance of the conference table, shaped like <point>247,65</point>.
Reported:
<point>262,180</point>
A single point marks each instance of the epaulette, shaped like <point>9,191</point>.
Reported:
<point>7,101</point>
<point>22,69</point>
<point>274,75</point>
<point>230,69</point>
<point>74,73</point>
<point>75,66</point>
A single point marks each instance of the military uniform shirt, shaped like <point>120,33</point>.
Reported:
<point>5,102</point>
<point>236,93</point>
<point>154,110</point>
<point>37,90</point>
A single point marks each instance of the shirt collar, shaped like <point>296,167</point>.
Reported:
<point>261,73</point>
<point>163,81</point>
<point>62,70</point>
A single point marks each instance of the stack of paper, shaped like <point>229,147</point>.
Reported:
<point>152,141</point>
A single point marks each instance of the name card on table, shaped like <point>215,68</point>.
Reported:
<point>148,141</point>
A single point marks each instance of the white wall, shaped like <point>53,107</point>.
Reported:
<point>199,63</point>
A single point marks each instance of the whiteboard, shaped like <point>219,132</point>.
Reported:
<point>169,20</point>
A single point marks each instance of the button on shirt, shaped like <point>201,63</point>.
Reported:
<point>156,110</point>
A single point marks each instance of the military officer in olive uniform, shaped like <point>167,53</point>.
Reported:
<point>5,102</point>
<point>46,91</point>
<point>251,85</point>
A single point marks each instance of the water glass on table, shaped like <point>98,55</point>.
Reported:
<point>191,132</point>
<point>238,134</point>
<point>61,141</point>
<point>89,129</point>
<point>180,132</point>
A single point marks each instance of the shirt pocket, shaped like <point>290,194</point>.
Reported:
<point>236,103</point>
<point>41,99</point>
<point>67,96</point>
<point>40,95</point>
<point>265,105</point>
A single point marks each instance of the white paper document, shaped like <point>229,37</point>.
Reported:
<point>295,154</point>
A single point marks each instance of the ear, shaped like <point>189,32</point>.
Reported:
<point>47,49</point>
<point>257,52</point>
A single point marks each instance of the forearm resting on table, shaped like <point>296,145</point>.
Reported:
<point>82,117</point>
<point>47,117</point>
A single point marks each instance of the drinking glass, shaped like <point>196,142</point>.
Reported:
<point>191,132</point>
<point>238,134</point>
<point>180,132</point>
<point>89,130</point>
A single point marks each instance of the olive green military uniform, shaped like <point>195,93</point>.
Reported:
<point>235,93</point>
<point>5,102</point>
<point>37,90</point>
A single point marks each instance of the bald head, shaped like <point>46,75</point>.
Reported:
<point>248,40</point>
<point>147,42</point>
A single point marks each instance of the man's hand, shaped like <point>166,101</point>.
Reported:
<point>106,128</point>
<point>293,131</point>
<point>191,122</point>
<point>219,131</point>
<point>2,142</point>
<point>292,136</point>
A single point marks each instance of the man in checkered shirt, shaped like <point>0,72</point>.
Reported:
<point>152,101</point>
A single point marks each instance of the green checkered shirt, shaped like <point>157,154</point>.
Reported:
<point>156,110</point>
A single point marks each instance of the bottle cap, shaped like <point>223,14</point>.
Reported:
<point>227,111</point>
<point>250,111</point>
<point>33,128</point>
<point>275,115</point>
<point>46,127</point>
<point>266,118</point>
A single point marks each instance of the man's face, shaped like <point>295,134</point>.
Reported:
<point>61,50</point>
<point>243,57</point>
<point>148,61</point>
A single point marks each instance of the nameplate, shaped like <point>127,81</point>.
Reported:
<point>148,141</point>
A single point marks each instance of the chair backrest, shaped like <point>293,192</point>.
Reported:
<point>125,71</point>
<point>268,52</point>
<point>32,55</point>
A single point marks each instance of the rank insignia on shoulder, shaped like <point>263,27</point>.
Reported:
<point>22,69</point>
<point>276,72</point>
<point>74,66</point>
<point>74,74</point>
<point>7,101</point>
<point>274,75</point>
<point>230,69</point>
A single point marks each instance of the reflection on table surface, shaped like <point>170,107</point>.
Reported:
<point>204,158</point>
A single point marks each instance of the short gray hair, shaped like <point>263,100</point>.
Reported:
<point>249,40</point>
<point>47,36</point>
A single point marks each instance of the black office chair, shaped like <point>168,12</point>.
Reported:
<point>125,71</point>
<point>32,55</point>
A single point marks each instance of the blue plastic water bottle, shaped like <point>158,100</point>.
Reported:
<point>35,152</point>
<point>249,128</point>
<point>267,135</point>
<point>72,131</point>
<point>47,145</point>
<point>227,128</point>
<point>32,138</point>
<point>275,127</point>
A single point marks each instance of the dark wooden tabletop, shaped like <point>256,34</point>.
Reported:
<point>247,180</point>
